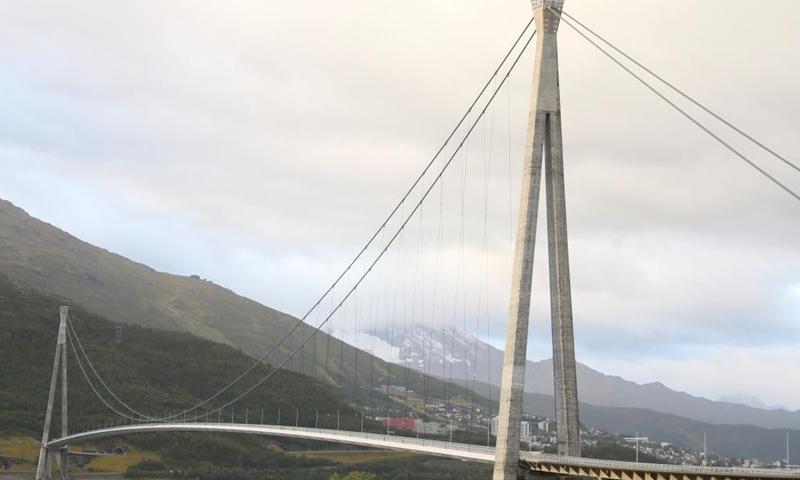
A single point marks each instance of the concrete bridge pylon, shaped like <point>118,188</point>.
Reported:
<point>543,153</point>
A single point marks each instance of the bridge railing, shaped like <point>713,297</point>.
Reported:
<point>255,427</point>
<point>389,438</point>
<point>477,450</point>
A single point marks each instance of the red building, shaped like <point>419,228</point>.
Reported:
<point>399,423</point>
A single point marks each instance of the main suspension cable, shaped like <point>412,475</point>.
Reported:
<point>394,211</point>
<point>396,234</point>
<point>685,95</point>
<point>94,389</point>
<point>77,340</point>
<point>683,112</point>
<point>317,329</point>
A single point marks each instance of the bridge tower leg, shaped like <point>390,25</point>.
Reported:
<point>544,146</point>
<point>46,455</point>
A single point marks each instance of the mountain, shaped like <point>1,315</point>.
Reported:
<point>456,355</point>
<point>740,441</point>
<point>750,401</point>
<point>40,255</point>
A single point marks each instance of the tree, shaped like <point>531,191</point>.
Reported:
<point>353,476</point>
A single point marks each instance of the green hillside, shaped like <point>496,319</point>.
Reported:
<point>38,254</point>
<point>157,371</point>
<point>154,371</point>
<point>41,255</point>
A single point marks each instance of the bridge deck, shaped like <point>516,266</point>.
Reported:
<point>534,461</point>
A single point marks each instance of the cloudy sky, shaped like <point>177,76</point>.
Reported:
<point>260,143</point>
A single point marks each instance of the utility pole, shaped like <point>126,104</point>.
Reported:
<point>705,451</point>
<point>788,461</point>
<point>637,447</point>
<point>543,151</point>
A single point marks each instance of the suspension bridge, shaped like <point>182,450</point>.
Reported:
<point>368,276</point>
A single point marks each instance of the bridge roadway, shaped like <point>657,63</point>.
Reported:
<point>532,461</point>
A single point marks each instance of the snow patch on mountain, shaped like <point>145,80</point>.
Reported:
<point>430,350</point>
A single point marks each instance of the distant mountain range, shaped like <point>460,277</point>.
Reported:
<point>455,355</point>
<point>750,401</point>
<point>741,441</point>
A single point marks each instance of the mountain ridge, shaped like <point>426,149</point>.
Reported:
<point>594,387</point>
<point>47,258</point>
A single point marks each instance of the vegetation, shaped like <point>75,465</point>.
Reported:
<point>216,456</point>
<point>418,468</point>
<point>353,476</point>
<point>350,457</point>
<point>615,451</point>
<point>155,371</point>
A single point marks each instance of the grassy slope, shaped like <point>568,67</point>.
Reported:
<point>48,258</point>
<point>39,254</point>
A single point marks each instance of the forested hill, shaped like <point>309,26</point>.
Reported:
<point>152,370</point>
<point>46,257</point>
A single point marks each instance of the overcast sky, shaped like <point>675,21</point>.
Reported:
<point>260,143</point>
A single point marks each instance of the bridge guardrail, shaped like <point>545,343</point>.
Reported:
<point>384,439</point>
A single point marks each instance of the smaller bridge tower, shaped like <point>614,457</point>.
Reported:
<point>46,455</point>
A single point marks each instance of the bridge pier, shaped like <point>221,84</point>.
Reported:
<point>57,456</point>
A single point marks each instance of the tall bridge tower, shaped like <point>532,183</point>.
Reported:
<point>543,148</point>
